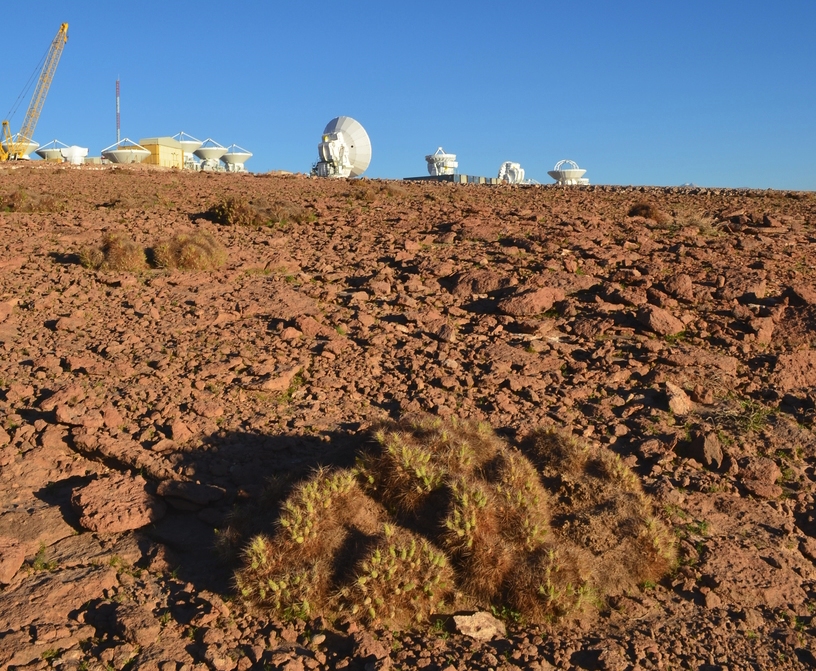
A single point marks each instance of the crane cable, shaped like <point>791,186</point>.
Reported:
<point>33,78</point>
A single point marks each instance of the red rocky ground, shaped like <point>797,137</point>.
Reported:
<point>144,414</point>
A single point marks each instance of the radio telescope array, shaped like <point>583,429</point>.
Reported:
<point>345,150</point>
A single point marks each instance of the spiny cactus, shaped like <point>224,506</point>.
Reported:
<point>404,579</point>
<point>118,252</point>
<point>609,513</point>
<point>440,515</point>
<point>198,250</point>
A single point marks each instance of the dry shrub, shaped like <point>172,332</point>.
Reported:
<point>603,508</point>
<point>442,514</point>
<point>648,211</point>
<point>198,250</point>
<point>118,252</point>
<point>235,212</point>
<point>23,201</point>
<point>241,212</point>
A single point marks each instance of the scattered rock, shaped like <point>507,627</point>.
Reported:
<point>481,626</point>
<point>530,302</point>
<point>679,402</point>
<point>116,503</point>
<point>706,448</point>
<point>659,320</point>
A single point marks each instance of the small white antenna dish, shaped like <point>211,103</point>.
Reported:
<point>210,152</point>
<point>50,151</point>
<point>26,148</point>
<point>571,174</point>
<point>235,158</point>
<point>188,145</point>
<point>345,149</point>
<point>511,173</point>
<point>125,151</point>
<point>440,163</point>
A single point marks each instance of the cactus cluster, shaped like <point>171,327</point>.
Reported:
<point>440,515</point>
<point>198,250</point>
<point>117,252</point>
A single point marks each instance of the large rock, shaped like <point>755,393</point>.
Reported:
<point>117,503</point>
<point>795,371</point>
<point>37,524</point>
<point>12,555</point>
<point>659,320</point>
<point>50,596</point>
<point>759,476</point>
<point>530,302</point>
<point>478,281</point>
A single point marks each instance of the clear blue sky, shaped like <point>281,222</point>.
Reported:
<point>716,92</point>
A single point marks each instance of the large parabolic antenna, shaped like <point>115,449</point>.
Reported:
<point>345,150</point>
<point>568,172</point>
<point>441,163</point>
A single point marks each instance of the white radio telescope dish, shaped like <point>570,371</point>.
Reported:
<point>441,163</point>
<point>345,149</point>
<point>511,173</point>
<point>568,172</point>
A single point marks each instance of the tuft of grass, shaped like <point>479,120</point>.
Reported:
<point>198,250</point>
<point>117,252</point>
<point>41,561</point>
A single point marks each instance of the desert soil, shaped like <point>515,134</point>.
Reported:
<point>147,417</point>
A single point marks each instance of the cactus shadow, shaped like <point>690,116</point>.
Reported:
<point>253,472</point>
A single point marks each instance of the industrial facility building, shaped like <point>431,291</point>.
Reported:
<point>164,151</point>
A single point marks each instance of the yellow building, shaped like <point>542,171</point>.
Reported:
<point>164,151</point>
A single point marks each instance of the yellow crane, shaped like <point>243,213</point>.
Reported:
<point>13,148</point>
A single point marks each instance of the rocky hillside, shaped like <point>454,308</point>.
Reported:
<point>155,416</point>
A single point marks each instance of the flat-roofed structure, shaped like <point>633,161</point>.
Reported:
<point>164,151</point>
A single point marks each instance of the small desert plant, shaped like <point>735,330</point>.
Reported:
<point>118,252</point>
<point>241,212</point>
<point>198,250</point>
<point>443,514</point>
<point>607,511</point>
<point>233,211</point>
<point>648,211</point>
<point>23,201</point>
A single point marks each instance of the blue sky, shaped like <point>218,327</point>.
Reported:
<point>718,93</point>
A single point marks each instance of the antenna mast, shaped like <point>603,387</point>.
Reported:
<point>118,136</point>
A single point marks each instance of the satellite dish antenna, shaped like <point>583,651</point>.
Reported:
<point>571,174</point>
<point>440,163</point>
<point>345,150</point>
<point>511,173</point>
<point>210,152</point>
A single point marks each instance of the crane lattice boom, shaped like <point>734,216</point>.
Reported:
<point>26,133</point>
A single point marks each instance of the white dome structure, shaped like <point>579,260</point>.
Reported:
<point>188,145</point>
<point>345,149</point>
<point>74,155</point>
<point>511,173</point>
<point>568,172</point>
